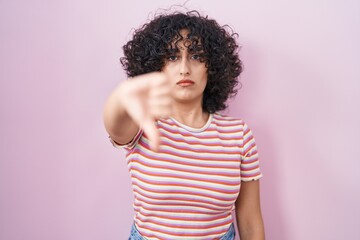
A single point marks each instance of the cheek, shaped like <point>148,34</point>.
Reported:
<point>167,71</point>
<point>164,69</point>
<point>205,77</point>
<point>205,72</point>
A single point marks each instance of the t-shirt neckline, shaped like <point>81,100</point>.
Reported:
<point>191,129</point>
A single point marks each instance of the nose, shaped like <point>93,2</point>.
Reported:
<point>184,66</point>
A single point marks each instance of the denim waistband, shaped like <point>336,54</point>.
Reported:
<point>230,234</point>
<point>135,235</point>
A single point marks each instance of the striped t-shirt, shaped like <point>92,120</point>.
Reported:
<point>187,189</point>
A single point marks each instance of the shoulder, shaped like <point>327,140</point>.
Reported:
<point>225,120</point>
<point>229,125</point>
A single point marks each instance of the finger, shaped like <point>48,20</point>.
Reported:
<point>160,107</point>
<point>150,80</point>
<point>153,134</point>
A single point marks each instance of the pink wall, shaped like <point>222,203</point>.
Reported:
<point>61,179</point>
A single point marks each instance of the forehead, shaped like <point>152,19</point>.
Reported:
<point>183,40</point>
<point>184,33</point>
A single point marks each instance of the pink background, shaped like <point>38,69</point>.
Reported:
<point>60,178</point>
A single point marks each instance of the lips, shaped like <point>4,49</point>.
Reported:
<point>185,83</point>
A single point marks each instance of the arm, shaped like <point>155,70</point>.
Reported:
<point>137,103</point>
<point>116,117</point>
<point>248,212</point>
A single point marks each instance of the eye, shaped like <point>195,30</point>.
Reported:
<point>172,58</point>
<point>195,57</point>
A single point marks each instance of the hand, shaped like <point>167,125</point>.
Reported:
<point>147,98</point>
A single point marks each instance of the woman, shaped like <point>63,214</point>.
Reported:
<point>190,166</point>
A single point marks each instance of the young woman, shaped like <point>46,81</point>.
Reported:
<point>190,166</point>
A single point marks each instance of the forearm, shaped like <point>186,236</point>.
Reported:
<point>248,212</point>
<point>118,123</point>
<point>250,230</point>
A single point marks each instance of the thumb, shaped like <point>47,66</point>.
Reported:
<point>152,132</point>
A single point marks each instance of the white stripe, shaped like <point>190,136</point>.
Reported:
<point>181,230</point>
<point>190,160</point>
<point>180,207</point>
<point>183,180</point>
<point>181,173</point>
<point>185,189</point>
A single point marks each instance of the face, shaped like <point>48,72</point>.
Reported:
<point>186,72</point>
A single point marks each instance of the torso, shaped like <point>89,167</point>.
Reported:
<point>187,189</point>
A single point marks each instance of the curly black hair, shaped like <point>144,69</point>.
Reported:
<point>153,43</point>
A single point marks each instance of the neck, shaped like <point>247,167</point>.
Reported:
<point>190,115</point>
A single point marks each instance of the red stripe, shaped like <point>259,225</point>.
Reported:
<point>186,185</point>
<point>232,182</point>
<point>183,225</point>
<point>190,147</point>
<point>181,234</point>
<point>207,144</point>
<point>247,139</point>
<point>205,172</point>
<point>198,206</point>
<point>250,175</point>
<point>215,126</point>
<point>202,137</point>
<point>185,219</point>
<point>244,163</point>
<point>244,169</point>
<point>196,211</point>
<point>189,193</point>
<point>207,160</point>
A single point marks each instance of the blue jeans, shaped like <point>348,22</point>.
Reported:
<point>135,235</point>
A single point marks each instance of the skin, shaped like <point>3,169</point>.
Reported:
<point>248,212</point>
<point>187,99</point>
<point>138,102</point>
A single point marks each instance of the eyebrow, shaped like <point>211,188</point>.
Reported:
<point>196,48</point>
<point>173,50</point>
<point>191,48</point>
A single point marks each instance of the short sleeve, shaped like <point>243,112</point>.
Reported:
<point>249,167</point>
<point>131,144</point>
